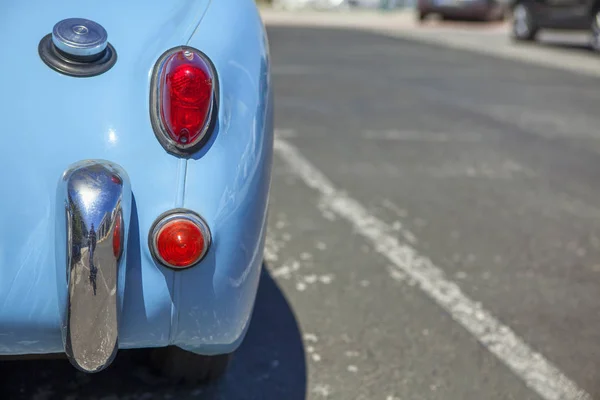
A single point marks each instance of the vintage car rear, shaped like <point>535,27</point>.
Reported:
<point>131,218</point>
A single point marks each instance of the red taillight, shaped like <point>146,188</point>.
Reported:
<point>180,239</point>
<point>117,237</point>
<point>182,97</point>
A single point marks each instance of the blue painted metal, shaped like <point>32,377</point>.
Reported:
<point>50,121</point>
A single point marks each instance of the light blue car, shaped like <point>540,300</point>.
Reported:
<point>136,164</point>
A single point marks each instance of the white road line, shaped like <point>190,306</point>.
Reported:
<point>533,368</point>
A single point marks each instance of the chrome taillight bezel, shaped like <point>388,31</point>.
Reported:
<point>166,217</point>
<point>158,126</point>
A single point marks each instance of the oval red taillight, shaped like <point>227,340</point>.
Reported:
<point>180,240</point>
<point>183,97</point>
<point>117,236</point>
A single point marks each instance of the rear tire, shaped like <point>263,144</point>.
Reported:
<point>179,365</point>
<point>595,40</point>
<point>421,16</point>
<point>524,27</point>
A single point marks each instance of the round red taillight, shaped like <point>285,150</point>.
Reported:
<point>180,239</point>
<point>182,97</point>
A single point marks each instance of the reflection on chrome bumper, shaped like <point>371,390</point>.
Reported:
<point>95,198</point>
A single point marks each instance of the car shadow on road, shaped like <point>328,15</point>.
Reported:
<point>450,22</point>
<point>577,47</point>
<point>270,364</point>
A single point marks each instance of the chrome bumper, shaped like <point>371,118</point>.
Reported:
<point>93,209</point>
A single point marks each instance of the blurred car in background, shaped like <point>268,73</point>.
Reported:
<point>481,10</point>
<point>339,4</point>
<point>529,16</point>
<point>309,4</point>
<point>381,4</point>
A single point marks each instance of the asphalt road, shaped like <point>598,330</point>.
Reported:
<point>434,234</point>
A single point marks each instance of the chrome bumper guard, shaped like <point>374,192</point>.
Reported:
<point>93,210</point>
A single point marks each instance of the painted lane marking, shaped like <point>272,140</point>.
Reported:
<point>534,369</point>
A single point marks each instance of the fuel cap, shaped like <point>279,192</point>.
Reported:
<point>77,47</point>
<point>79,37</point>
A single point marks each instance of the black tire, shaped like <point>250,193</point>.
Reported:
<point>179,365</point>
<point>421,16</point>
<point>524,27</point>
<point>595,28</point>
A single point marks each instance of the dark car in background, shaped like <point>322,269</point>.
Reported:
<point>482,10</point>
<point>529,16</point>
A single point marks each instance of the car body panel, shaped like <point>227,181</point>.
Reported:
<point>561,14</point>
<point>60,120</point>
<point>245,135</point>
<point>467,9</point>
